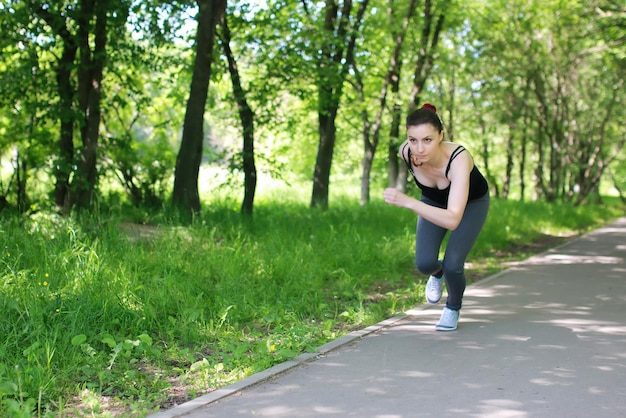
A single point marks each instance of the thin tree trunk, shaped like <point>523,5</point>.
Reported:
<point>371,141</point>
<point>450,128</point>
<point>540,186</point>
<point>620,192</point>
<point>522,161</point>
<point>392,150</point>
<point>247,122</point>
<point>506,185</point>
<point>368,145</point>
<point>547,135</point>
<point>542,131</point>
<point>20,170</point>
<point>524,142</point>
<point>369,149</point>
<point>486,158</point>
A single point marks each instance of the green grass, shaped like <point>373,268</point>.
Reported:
<point>102,317</point>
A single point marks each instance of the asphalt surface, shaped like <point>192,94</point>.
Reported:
<point>545,338</point>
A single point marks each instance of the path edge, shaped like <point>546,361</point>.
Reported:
<point>353,336</point>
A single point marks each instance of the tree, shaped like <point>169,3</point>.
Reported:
<point>80,99</point>
<point>533,86</point>
<point>185,195</point>
<point>64,67</point>
<point>560,105</point>
<point>140,123</point>
<point>371,129</point>
<point>26,100</point>
<point>247,122</point>
<point>337,43</point>
<point>90,73</point>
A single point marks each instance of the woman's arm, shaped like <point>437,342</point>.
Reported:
<point>450,217</point>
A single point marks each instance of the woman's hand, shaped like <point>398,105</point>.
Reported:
<point>396,197</point>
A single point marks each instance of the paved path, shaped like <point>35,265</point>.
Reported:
<point>546,338</point>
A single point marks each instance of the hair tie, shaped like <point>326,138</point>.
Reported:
<point>429,106</point>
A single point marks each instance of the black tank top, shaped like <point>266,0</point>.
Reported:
<point>477,188</point>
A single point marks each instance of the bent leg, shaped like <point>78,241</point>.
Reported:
<point>459,245</point>
<point>428,239</point>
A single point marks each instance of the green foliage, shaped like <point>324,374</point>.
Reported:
<point>487,73</point>
<point>98,308</point>
<point>540,95</point>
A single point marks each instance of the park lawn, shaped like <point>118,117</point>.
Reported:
<point>118,314</point>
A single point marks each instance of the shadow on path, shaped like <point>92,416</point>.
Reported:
<point>544,339</point>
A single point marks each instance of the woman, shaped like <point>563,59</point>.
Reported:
<point>455,197</point>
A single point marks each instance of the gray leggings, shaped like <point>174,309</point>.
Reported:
<point>428,241</point>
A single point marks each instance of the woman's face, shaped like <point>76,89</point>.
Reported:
<point>424,142</point>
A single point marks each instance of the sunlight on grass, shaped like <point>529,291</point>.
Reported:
<point>101,313</point>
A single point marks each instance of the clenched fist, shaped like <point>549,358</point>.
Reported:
<point>395,197</point>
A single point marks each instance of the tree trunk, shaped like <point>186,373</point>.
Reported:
<point>450,128</point>
<point>524,141</point>
<point>185,195</point>
<point>369,149</point>
<point>620,192</point>
<point>339,43</point>
<point>393,145</point>
<point>594,155</point>
<point>540,187</point>
<point>543,116</point>
<point>247,122</point>
<point>65,159</point>
<point>368,144</point>
<point>321,175</point>
<point>372,139</point>
<point>522,161</point>
<point>21,176</point>
<point>90,79</point>
<point>486,154</point>
<point>506,184</point>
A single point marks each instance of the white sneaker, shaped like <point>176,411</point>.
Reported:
<point>448,320</point>
<point>434,289</point>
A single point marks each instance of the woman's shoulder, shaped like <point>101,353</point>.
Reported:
<point>454,148</point>
<point>460,156</point>
<point>452,145</point>
<point>404,149</point>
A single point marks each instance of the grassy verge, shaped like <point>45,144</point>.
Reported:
<point>105,317</point>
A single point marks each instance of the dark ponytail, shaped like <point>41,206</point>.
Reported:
<point>425,114</point>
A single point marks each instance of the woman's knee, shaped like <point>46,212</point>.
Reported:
<point>427,266</point>
<point>452,269</point>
